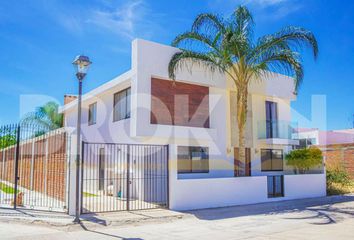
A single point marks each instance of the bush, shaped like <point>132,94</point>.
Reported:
<point>304,159</point>
<point>338,181</point>
<point>337,175</point>
<point>7,141</point>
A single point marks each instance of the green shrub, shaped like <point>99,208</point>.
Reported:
<point>304,159</point>
<point>338,181</point>
<point>337,175</point>
<point>7,140</point>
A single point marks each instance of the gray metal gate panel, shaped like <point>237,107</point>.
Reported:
<point>135,177</point>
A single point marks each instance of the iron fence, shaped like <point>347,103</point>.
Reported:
<point>118,177</point>
<point>33,167</point>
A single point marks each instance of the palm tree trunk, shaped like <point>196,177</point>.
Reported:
<point>241,121</point>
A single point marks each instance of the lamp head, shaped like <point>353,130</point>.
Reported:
<point>82,64</point>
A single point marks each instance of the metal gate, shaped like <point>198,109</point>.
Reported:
<point>33,168</point>
<point>123,177</point>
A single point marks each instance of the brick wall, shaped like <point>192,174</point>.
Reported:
<point>42,165</point>
<point>340,154</point>
<point>69,98</point>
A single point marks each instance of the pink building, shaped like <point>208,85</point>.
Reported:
<point>314,136</point>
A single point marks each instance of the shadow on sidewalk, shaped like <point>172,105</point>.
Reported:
<point>106,234</point>
<point>322,207</point>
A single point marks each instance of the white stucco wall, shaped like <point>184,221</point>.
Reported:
<point>305,186</point>
<point>220,192</point>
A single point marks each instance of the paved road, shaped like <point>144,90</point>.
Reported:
<point>309,219</point>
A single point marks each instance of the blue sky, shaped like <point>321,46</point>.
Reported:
<point>39,39</point>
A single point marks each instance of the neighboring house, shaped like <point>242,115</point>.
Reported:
<point>314,136</point>
<point>196,118</point>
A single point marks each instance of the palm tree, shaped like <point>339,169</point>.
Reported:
<point>45,118</point>
<point>228,46</point>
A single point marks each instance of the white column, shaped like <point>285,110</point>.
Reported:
<point>72,175</point>
<point>32,165</point>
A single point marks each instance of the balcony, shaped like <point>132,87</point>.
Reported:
<point>278,132</point>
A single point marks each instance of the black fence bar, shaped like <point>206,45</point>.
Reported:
<point>121,177</point>
<point>16,164</point>
<point>33,167</point>
<point>128,177</point>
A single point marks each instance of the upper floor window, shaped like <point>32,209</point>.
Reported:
<point>92,114</point>
<point>271,119</point>
<point>193,159</point>
<point>272,160</point>
<point>121,106</point>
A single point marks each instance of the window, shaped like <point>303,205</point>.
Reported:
<point>271,119</point>
<point>121,106</point>
<point>306,142</point>
<point>92,114</point>
<point>193,160</point>
<point>275,186</point>
<point>272,160</point>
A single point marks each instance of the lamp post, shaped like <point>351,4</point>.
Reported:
<point>82,64</point>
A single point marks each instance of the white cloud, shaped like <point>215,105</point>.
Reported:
<point>274,9</point>
<point>126,20</point>
<point>265,3</point>
<point>68,16</point>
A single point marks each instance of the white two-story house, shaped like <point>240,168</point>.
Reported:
<point>195,117</point>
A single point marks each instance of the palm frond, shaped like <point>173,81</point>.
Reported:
<point>285,61</point>
<point>184,58</point>
<point>45,117</point>
<point>201,41</point>
<point>243,21</point>
<point>208,23</point>
<point>288,38</point>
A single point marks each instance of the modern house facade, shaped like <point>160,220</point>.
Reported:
<point>195,118</point>
<point>314,136</point>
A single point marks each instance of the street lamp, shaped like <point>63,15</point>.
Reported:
<point>82,64</point>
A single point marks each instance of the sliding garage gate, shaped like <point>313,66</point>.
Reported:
<point>123,177</point>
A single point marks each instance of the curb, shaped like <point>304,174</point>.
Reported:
<point>92,222</point>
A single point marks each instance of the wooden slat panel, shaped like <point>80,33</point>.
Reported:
<point>179,104</point>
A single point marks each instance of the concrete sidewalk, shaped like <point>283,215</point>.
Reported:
<point>54,219</point>
<point>96,220</point>
<point>316,219</point>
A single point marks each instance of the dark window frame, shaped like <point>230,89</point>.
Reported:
<point>127,106</point>
<point>271,109</point>
<point>91,120</point>
<point>193,171</point>
<point>274,193</point>
<point>271,160</point>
